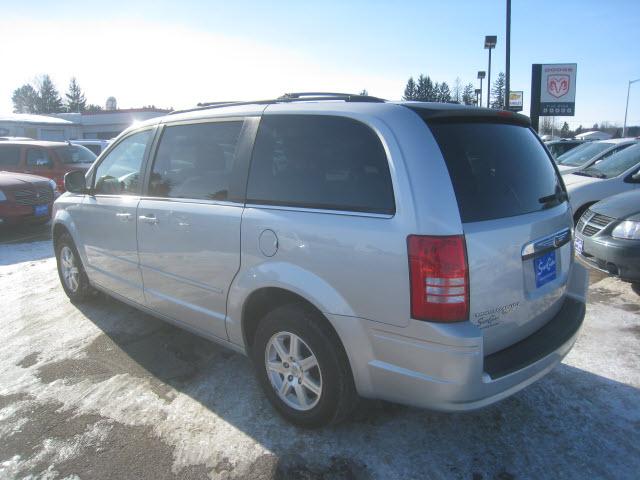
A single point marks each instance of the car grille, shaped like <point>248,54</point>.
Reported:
<point>35,196</point>
<point>591,223</point>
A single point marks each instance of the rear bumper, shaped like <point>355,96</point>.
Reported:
<point>615,256</point>
<point>442,367</point>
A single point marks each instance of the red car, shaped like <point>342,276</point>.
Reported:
<point>48,159</point>
<point>25,198</point>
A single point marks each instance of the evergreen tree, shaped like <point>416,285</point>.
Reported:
<point>565,132</point>
<point>25,99</point>
<point>497,92</point>
<point>579,130</point>
<point>444,93</point>
<point>49,100</point>
<point>410,92</point>
<point>364,92</point>
<point>468,95</point>
<point>76,101</point>
<point>92,107</point>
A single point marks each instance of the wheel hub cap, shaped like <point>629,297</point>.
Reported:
<point>293,371</point>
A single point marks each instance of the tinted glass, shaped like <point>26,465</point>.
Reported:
<point>196,161</point>
<point>9,155</point>
<point>323,162</point>
<point>582,154</point>
<point>38,157</point>
<point>497,170</point>
<point>617,164</point>
<point>75,154</point>
<point>119,172</point>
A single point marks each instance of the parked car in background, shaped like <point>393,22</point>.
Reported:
<point>391,250</point>
<point>618,173</point>
<point>591,153</point>
<point>607,236</point>
<point>96,146</point>
<point>560,147</point>
<point>47,159</point>
<point>25,198</point>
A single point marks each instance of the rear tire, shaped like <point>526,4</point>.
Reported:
<point>70,270</point>
<point>309,384</point>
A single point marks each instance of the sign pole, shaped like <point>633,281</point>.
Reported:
<point>534,110</point>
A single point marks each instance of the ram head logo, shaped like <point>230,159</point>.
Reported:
<point>558,85</point>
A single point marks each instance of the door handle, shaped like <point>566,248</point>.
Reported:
<point>148,219</point>
<point>124,216</point>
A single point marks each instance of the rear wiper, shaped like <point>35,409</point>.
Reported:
<point>583,174</point>
<point>559,196</point>
<point>592,172</point>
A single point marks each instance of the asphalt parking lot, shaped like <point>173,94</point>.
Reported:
<point>103,391</point>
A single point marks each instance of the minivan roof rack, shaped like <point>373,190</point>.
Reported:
<point>286,98</point>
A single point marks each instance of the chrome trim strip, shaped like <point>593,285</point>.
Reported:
<point>546,244</point>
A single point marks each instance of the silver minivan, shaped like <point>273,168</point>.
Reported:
<point>352,247</point>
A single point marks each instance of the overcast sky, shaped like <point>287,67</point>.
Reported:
<point>175,54</point>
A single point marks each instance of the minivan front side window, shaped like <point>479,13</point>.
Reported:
<point>119,172</point>
<point>320,161</point>
<point>196,161</point>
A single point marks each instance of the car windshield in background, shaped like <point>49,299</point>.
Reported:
<point>498,170</point>
<point>75,154</point>
<point>616,164</point>
<point>582,154</point>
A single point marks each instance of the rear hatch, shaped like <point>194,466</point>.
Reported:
<point>515,217</point>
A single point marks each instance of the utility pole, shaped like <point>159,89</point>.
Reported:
<point>626,108</point>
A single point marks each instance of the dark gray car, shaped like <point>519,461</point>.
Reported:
<point>608,236</point>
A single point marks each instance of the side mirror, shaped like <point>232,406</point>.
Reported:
<point>75,182</point>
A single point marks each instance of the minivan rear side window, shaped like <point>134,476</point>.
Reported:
<point>497,169</point>
<point>9,155</point>
<point>320,161</point>
<point>196,161</point>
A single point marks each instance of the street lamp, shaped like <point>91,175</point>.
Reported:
<point>626,109</point>
<point>481,75</point>
<point>478,97</point>
<point>489,43</point>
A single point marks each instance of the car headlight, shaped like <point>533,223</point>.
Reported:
<point>53,184</point>
<point>627,229</point>
<point>3,197</point>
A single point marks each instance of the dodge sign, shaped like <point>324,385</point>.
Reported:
<point>557,89</point>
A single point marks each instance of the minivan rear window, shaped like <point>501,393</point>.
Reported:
<point>497,169</point>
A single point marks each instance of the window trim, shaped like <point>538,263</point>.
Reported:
<point>91,173</point>
<point>244,148</point>
<point>321,208</point>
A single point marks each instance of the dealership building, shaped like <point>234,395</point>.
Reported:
<point>104,124</point>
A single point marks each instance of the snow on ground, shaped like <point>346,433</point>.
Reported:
<point>101,390</point>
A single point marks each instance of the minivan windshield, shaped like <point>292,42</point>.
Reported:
<point>75,154</point>
<point>616,164</point>
<point>582,154</point>
<point>497,169</point>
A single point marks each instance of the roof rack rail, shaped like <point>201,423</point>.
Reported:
<point>286,98</point>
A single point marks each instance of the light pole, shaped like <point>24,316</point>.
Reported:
<point>489,43</point>
<point>626,108</point>
<point>507,68</point>
<point>478,96</point>
<point>481,75</point>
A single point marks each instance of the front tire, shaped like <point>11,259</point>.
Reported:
<point>70,270</point>
<point>302,367</point>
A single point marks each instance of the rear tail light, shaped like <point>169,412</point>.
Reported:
<point>439,277</point>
